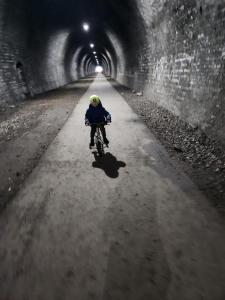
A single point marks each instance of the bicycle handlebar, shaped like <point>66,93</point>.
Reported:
<point>98,124</point>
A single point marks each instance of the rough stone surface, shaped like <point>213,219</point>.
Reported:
<point>34,57</point>
<point>180,63</point>
<point>202,158</point>
<point>27,129</point>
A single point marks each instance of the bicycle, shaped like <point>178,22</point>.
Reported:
<point>98,139</point>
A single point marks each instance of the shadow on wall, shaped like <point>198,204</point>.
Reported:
<point>109,164</point>
<point>22,80</point>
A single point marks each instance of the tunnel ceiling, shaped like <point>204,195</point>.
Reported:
<point>116,16</point>
<point>47,39</point>
<point>172,51</point>
<point>70,13</point>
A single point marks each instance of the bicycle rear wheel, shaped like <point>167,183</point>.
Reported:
<point>100,148</point>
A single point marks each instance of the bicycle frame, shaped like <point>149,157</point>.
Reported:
<point>98,135</point>
<point>99,140</point>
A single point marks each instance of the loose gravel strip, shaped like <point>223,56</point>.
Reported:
<point>27,129</point>
<point>202,158</point>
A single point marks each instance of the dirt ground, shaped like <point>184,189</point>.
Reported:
<point>26,130</point>
<point>202,158</point>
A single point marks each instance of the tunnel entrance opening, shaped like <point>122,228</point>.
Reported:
<point>99,69</point>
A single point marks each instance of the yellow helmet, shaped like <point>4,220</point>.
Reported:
<point>94,99</point>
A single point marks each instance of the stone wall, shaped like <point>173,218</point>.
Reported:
<point>32,59</point>
<point>12,40</point>
<point>182,59</point>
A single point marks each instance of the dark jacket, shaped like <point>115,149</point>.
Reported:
<point>97,114</point>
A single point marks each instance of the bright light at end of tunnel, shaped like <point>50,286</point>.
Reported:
<point>98,69</point>
<point>86,27</point>
<point>92,45</point>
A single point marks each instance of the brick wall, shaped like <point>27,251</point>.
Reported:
<point>182,60</point>
<point>32,59</point>
<point>12,43</point>
<point>46,61</point>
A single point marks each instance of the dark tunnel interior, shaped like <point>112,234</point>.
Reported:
<point>171,51</point>
<point>133,210</point>
<point>60,23</point>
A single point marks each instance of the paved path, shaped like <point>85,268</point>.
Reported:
<point>130,227</point>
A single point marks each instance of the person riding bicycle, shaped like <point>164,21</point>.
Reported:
<point>96,114</point>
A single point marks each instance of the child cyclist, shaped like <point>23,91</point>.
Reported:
<point>96,114</point>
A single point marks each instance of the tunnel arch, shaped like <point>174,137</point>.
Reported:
<point>52,34</point>
<point>89,61</point>
<point>151,46</point>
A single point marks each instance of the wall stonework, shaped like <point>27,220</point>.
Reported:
<point>12,43</point>
<point>39,52</point>
<point>182,64</point>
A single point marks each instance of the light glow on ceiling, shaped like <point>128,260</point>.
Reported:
<point>86,27</point>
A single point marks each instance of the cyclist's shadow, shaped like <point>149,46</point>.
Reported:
<point>109,164</point>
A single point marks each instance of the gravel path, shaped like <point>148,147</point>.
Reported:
<point>202,158</point>
<point>27,129</point>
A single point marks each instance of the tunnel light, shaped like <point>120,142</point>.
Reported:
<point>98,69</point>
<point>86,27</point>
<point>92,45</point>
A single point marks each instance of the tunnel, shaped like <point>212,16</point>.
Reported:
<point>49,38</point>
<point>146,219</point>
<point>171,51</point>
